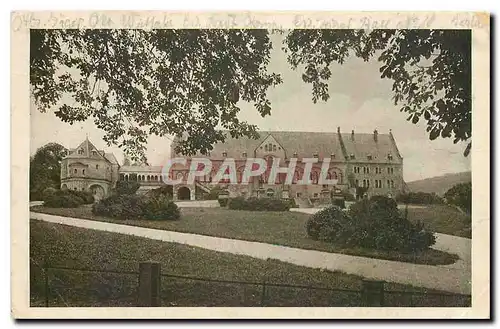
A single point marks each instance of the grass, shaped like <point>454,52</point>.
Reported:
<point>279,228</point>
<point>443,219</point>
<point>71,247</point>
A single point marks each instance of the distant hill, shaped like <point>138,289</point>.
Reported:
<point>439,184</point>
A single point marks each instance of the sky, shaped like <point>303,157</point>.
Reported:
<point>359,100</point>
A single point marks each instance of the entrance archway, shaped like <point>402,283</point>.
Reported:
<point>97,191</point>
<point>184,193</point>
<point>64,187</point>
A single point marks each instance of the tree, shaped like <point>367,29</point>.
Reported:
<point>430,69</point>
<point>460,195</point>
<point>135,83</point>
<point>45,168</point>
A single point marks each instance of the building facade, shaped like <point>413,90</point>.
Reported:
<point>370,163</point>
<point>361,163</point>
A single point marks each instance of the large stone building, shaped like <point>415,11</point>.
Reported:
<point>370,161</point>
<point>86,168</point>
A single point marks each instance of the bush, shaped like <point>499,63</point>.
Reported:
<point>325,222</point>
<point>62,199</point>
<point>126,187</point>
<point>339,203</point>
<point>160,207</point>
<point>348,196</point>
<point>214,193</point>
<point>47,192</point>
<point>460,195</point>
<point>373,224</point>
<point>292,203</point>
<point>120,207</point>
<point>223,201</point>
<point>258,204</point>
<point>86,196</point>
<point>166,191</point>
<point>131,206</point>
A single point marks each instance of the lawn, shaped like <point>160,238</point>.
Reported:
<point>71,247</point>
<point>442,219</point>
<point>279,228</point>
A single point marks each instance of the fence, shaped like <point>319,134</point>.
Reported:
<point>148,287</point>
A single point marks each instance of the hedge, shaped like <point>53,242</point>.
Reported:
<point>258,204</point>
<point>373,224</point>
<point>62,199</point>
<point>131,206</point>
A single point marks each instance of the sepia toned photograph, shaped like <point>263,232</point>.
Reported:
<point>260,167</point>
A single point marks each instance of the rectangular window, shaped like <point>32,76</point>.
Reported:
<point>83,172</point>
<point>367,183</point>
<point>75,171</point>
<point>388,184</point>
<point>357,182</point>
<point>367,170</point>
<point>96,166</point>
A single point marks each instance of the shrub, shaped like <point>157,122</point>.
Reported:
<point>292,203</point>
<point>223,201</point>
<point>166,191</point>
<point>325,222</point>
<point>258,204</point>
<point>120,206</point>
<point>62,199</point>
<point>374,224</point>
<point>214,193</point>
<point>460,195</point>
<point>348,196</point>
<point>125,187</point>
<point>339,203</point>
<point>86,196</point>
<point>47,192</point>
<point>160,207</point>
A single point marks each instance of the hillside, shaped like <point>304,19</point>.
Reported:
<point>439,184</point>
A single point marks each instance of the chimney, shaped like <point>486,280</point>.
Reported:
<point>375,135</point>
<point>352,135</point>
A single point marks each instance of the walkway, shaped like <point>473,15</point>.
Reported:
<point>446,278</point>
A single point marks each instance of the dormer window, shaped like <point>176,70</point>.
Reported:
<point>244,154</point>
<point>224,154</point>
<point>389,156</point>
<point>294,154</point>
<point>369,156</point>
<point>352,156</point>
<point>315,154</point>
<point>332,156</point>
<point>94,153</point>
<point>80,151</point>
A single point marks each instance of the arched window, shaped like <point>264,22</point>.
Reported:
<point>274,148</point>
<point>265,148</point>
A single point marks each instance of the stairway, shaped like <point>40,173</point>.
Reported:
<point>303,202</point>
<point>202,186</point>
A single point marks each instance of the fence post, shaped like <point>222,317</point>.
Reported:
<point>263,295</point>
<point>372,293</point>
<point>149,284</point>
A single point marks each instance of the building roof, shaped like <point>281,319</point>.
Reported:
<point>87,148</point>
<point>307,144</point>
<point>364,145</point>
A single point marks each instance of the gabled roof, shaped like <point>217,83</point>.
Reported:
<point>364,145</point>
<point>305,144</point>
<point>87,148</point>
